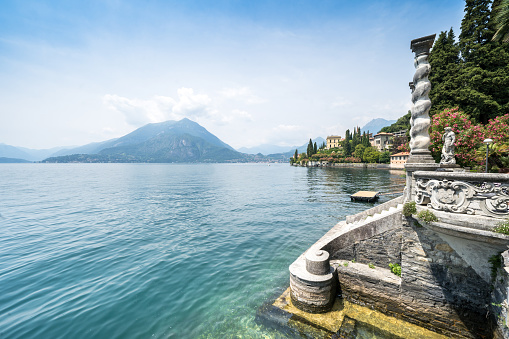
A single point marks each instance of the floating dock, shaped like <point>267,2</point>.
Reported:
<point>368,196</point>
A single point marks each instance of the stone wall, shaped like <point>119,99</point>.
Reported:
<point>379,250</point>
<point>438,290</point>
<point>347,165</point>
<point>446,284</point>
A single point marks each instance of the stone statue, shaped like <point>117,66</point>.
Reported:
<point>448,150</point>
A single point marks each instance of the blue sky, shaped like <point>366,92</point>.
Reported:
<point>251,72</point>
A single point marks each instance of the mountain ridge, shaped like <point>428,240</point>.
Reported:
<point>169,141</point>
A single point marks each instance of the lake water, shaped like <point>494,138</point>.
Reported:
<point>160,250</point>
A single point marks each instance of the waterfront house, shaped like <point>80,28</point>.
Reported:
<point>382,141</point>
<point>333,141</point>
<point>398,160</point>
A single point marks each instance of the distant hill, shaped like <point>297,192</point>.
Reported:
<point>143,134</point>
<point>12,160</point>
<point>170,141</point>
<point>22,153</point>
<point>375,125</point>
<point>267,149</point>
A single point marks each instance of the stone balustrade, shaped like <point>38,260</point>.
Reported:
<point>481,194</point>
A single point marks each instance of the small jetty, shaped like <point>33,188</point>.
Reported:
<point>368,196</point>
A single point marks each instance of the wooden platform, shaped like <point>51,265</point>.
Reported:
<point>368,196</point>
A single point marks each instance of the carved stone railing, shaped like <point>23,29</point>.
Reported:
<point>483,194</point>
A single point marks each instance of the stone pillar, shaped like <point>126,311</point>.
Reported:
<point>420,158</point>
<point>313,282</point>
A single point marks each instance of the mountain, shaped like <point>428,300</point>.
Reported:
<point>264,149</point>
<point>375,125</point>
<point>4,160</point>
<point>142,134</point>
<point>267,149</point>
<point>170,141</point>
<point>22,153</point>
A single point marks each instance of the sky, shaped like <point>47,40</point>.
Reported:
<point>250,72</point>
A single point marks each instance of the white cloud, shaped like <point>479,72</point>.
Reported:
<point>237,114</point>
<point>243,94</point>
<point>138,112</point>
<point>288,128</point>
<point>341,102</point>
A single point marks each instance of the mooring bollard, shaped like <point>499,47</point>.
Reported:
<point>318,262</point>
<point>313,282</point>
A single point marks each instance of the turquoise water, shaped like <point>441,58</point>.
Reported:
<point>162,251</point>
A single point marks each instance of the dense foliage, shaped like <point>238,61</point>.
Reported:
<point>474,72</point>
<point>501,20</point>
<point>355,148</point>
<point>403,123</point>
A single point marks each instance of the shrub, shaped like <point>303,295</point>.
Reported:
<point>502,227</point>
<point>496,263</point>
<point>396,269</point>
<point>468,135</point>
<point>370,265</point>
<point>427,216</point>
<point>409,209</point>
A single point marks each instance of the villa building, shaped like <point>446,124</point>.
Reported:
<point>382,141</point>
<point>401,133</point>
<point>333,141</point>
<point>399,160</point>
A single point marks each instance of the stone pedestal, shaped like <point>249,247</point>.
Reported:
<point>451,168</point>
<point>313,282</point>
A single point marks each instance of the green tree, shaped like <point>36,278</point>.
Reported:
<point>309,150</point>
<point>370,155</point>
<point>501,20</point>
<point>347,150</point>
<point>315,148</point>
<point>359,151</point>
<point>403,123</point>
<point>484,72</point>
<point>445,65</point>
<point>385,157</point>
<point>356,138</point>
<point>296,155</point>
<point>365,139</point>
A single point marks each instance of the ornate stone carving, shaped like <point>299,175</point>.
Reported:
<point>448,149</point>
<point>460,197</point>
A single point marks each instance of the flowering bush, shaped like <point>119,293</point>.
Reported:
<point>404,147</point>
<point>353,159</point>
<point>468,136</point>
<point>470,150</point>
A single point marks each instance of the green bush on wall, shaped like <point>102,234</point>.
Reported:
<point>396,269</point>
<point>427,216</point>
<point>409,209</point>
<point>503,228</point>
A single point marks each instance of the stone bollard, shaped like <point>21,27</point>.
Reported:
<point>313,282</point>
<point>317,262</point>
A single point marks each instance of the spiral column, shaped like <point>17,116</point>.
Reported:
<point>420,158</point>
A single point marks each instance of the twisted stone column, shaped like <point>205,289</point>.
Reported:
<point>420,122</point>
<point>420,158</point>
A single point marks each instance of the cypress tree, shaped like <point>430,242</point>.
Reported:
<point>347,150</point>
<point>296,155</point>
<point>356,139</point>
<point>310,148</point>
<point>445,64</point>
<point>484,74</point>
<point>315,148</point>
